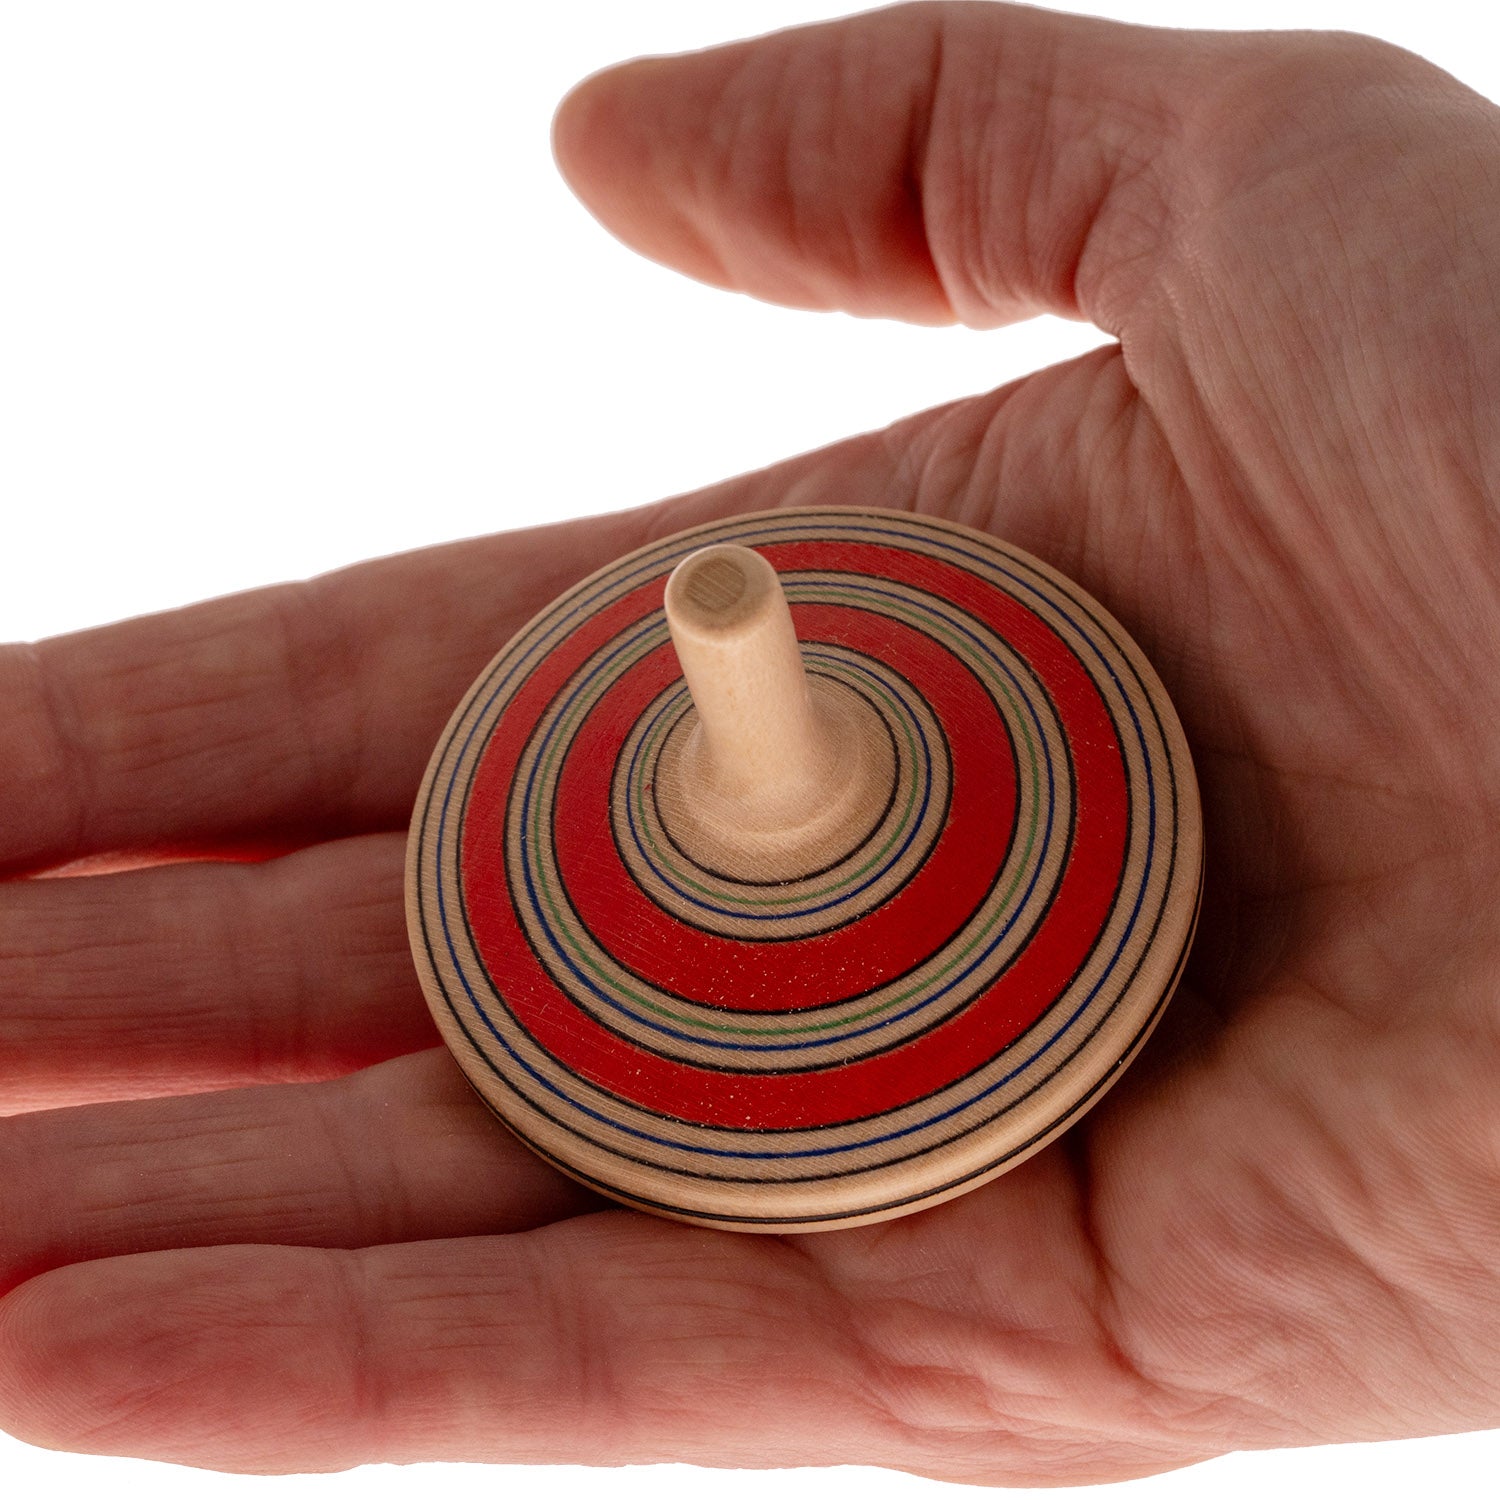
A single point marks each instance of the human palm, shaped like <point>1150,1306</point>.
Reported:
<point>1282,1226</point>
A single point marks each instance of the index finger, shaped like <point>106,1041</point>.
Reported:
<point>287,714</point>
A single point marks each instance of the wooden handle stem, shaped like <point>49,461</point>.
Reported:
<point>777,772</point>
<point>762,743</point>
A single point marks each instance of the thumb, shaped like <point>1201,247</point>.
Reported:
<point>930,162</point>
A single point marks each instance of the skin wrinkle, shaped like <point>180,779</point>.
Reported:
<point>831,126</point>
<point>1129,190</point>
<point>1220,481</point>
<point>974,118</point>
<point>1103,1303</point>
<point>71,769</point>
<point>846,137</point>
<point>1333,1213</point>
<point>1250,542</point>
<point>1418,1173</point>
<point>1001,1365</point>
<point>290,1028</point>
<point>706,175</point>
<point>811,143</point>
<point>918,158</point>
<point>356,1296</point>
<point>953,476</point>
<point>132,1409</point>
<point>1381,1307</point>
<point>239,959</point>
<point>301,621</point>
<point>582,1325</point>
<point>1113,415</point>
<point>1203,537</point>
<point>341,1111</point>
<point>914,1394</point>
<point>747,96</point>
<point>319,967</point>
<point>316,1390</point>
<point>1240,137</point>
<point>1384,559</point>
<point>1258,1389</point>
<point>206,671</point>
<point>842,1307</point>
<point>1391,959</point>
<point>354,706</point>
<point>806,243</point>
<point>1151,221</point>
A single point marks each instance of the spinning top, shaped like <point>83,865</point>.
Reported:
<point>805,868</point>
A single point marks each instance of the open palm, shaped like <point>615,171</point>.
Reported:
<point>1283,1226</point>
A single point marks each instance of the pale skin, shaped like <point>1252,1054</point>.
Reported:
<point>1282,1227</point>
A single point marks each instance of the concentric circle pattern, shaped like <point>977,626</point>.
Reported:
<point>876,1034</point>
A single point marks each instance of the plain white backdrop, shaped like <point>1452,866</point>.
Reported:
<point>286,285</point>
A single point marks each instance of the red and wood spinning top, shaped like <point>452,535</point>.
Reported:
<point>805,868</point>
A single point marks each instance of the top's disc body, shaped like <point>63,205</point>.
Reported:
<point>918,1013</point>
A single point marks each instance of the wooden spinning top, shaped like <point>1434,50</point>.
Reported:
<point>805,868</point>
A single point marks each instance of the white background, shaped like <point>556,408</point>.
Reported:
<point>287,285</point>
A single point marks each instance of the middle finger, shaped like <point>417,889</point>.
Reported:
<point>206,975</point>
<point>401,1151</point>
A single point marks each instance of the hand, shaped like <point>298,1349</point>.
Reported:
<point>1282,1227</point>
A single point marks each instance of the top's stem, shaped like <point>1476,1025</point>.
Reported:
<point>762,741</point>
